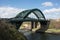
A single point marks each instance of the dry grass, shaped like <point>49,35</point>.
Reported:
<point>53,31</point>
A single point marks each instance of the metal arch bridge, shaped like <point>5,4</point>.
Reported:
<point>23,17</point>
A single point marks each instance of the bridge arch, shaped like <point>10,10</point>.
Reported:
<point>25,13</point>
<point>37,12</point>
<point>23,16</point>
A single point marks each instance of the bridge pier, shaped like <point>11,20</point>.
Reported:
<point>44,26</point>
<point>32,25</point>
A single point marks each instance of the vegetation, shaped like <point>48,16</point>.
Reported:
<point>54,27</point>
<point>8,32</point>
<point>54,31</point>
<point>54,24</point>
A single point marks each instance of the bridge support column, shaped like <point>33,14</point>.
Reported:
<point>32,25</point>
<point>44,26</point>
<point>36,24</point>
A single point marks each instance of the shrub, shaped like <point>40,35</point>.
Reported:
<point>8,32</point>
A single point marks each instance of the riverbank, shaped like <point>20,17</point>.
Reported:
<point>9,32</point>
<point>53,31</point>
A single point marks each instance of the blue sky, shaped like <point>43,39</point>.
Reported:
<point>26,4</point>
<point>50,8</point>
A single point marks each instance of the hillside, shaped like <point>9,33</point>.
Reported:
<point>54,23</point>
<point>8,32</point>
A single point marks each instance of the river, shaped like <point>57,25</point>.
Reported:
<point>41,36</point>
<point>45,36</point>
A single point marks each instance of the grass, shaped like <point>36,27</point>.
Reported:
<point>55,31</point>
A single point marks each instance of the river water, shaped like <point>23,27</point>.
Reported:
<point>41,36</point>
<point>45,36</point>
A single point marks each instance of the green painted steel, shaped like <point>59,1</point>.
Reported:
<point>24,14</point>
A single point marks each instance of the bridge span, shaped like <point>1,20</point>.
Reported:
<point>24,17</point>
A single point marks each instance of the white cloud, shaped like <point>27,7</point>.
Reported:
<point>8,12</point>
<point>53,10</point>
<point>52,13</point>
<point>47,4</point>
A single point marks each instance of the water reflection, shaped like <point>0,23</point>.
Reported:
<point>41,36</point>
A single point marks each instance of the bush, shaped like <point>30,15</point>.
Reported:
<point>8,32</point>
